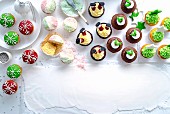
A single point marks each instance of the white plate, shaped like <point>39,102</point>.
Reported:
<point>7,6</point>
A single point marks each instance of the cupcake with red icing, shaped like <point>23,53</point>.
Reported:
<point>10,87</point>
<point>29,56</point>
<point>26,27</point>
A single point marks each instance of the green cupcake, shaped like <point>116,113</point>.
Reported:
<point>148,51</point>
<point>7,20</point>
<point>164,51</point>
<point>166,23</point>
<point>14,71</point>
<point>11,38</point>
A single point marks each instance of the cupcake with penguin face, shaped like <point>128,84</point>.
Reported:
<point>148,51</point>
<point>133,35</point>
<point>164,51</point>
<point>119,21</point>
<point>103,30</point>
<point>152,17</point>
<point>96,9</point>
<point>128,6</point>
<point>84,38</point>
<point>98,53</point>
<point>166,23</point>
<point>114,44</point>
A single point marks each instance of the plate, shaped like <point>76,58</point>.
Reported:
<point>7,6</point>
<point>76,14</point>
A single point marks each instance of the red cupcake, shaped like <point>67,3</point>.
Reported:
<point>26,27</point>
<point>10,87</point>
<point>29,56</point>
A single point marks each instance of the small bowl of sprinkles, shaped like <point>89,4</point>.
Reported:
<point>5,57</point>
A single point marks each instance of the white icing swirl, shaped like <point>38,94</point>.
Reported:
<point>130,56</point>
<point>137,35</point>
<point>132,5</point>
<point>113,45</point>
<point>122,23</point>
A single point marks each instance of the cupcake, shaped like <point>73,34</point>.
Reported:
<point>52,44</point>
<point>114,44</point>
<point>148,51</point>
<point>11,38</point>
<point>50,23</point>
<point>96,9</point>
<point>67,56</point>
<point>7,20</point>
<point>26,27</point>
<point>128,6</point>
<point>166,23</point>
<point>10,87</point>
<point>119,21</point>
<point>129,54</point>
<point>133,35</point>
<point>164,51</point>
<point>29,56</point>
<point>84,38</point>
<point>156,36</point>
<point>103,30</point>
<point>70,24</point>
<point>152,18</point>
<point>48,6</point>
<point>98,53</point>
<point>14,71</point>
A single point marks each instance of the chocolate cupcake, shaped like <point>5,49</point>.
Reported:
<point>119,21</point>
<point>128,6</point>
<point>129,54</point>
<point>96,9</point>
<point>133,35</point>
<point>84,38</point>
<point>98,53</point>
<point>114,44</point>
<point>103,30</point>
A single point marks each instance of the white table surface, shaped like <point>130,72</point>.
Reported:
<point>15,104</point>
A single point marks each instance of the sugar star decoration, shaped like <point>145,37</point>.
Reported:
<point>133,15</point>
<point>141,25</point>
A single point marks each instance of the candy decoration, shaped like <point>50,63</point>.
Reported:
<point>14,71</point>
<point>10,87</point>
<point>26,27</point>
<point>141,25</point>
<point>30,56</point>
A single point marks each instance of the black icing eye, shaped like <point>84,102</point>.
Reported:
<point>97,24</point>
<point>94,51</point>
<point>108,24</point>
<point>82,30</point>
<point>102,3</point>
<point>78,41</point>
<point>92,4</point>
<point>102,49</point>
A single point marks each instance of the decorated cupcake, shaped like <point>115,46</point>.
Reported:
<point>148,51</point>
<point>67,56</point>
<point>114,44</point>
<point>164,51</point>
<point>10,87</point>
<point>128,6</point>
<point>129,54</point>
<point>103,30</point>
<point>48,6</point>
<point>14,71</point>
<point>84,38</point>
<point>26,27</point>
<point>11,38</point>
<point>152,18</point>
<point>119,21</point>
<point>166,23</point>
<point>98,53</point>
<point>29,56</point>
<point>133,35</point>
<point>70,24</point>
<point>50,23</point>
<point>96,9</point>
<point>7,20</point>
<point>156,35</point>
<point>52,44</point>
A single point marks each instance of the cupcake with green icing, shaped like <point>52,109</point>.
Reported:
<point>152,17</point>
<point>166,23</point>
<point>164,52</point>
<point>7,20</point>
<point>11,38</point>
<point>14,71</point>
<point>156,36</point>
<point>148,51</point>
